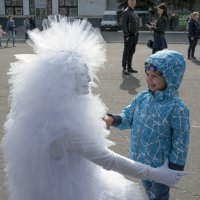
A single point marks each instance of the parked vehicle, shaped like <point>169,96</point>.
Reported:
<point>110,20</point>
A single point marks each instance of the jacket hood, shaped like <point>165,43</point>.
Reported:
<point>172,65</point>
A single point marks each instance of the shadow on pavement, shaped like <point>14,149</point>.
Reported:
<point>130,83</point>
<point>197,62</point>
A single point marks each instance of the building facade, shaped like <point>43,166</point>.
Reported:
<point>47,7</point>
<point>41,8</point>
<point>92,9</point>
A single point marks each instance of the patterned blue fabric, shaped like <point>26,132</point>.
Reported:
<point>159,122</point>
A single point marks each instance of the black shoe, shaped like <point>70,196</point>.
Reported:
<point>132,71</point>
<point>189,58</point>
<point>193,57</point>
<point>125,72</point>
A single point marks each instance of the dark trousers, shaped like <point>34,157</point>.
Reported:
<point>129,49</point>
<point>156,191</point>
<point>192,46</point>
<point>155,50</point>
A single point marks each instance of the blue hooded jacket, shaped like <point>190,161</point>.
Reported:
<point>159,121</point>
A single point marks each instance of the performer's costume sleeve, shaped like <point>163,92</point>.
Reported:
<point>110,160</point>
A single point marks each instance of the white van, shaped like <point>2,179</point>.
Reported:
<point>109,20</point>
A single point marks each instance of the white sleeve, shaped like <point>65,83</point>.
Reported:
<point>110,160</point>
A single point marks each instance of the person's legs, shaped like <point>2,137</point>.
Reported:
<point>133,43</point>
<point>13,38</point>
<point>26,35</point>
<point>125,55</point>
<point>147,186</point>
<point>126,51</point>
<point>190,48</point>
<point>159,191</point>
<point>0,41</point>
<point>195,41</point>
<point>156,191</point>
<point>9,37</point>
<point>155,50</point>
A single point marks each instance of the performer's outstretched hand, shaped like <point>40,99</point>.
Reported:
<point>108,120</point>
<point>165,175</point>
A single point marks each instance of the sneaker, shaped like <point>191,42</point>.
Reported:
<point>132,71</point>
<point>189,58</point>
<point>125,72</point>
<point>193,57</point>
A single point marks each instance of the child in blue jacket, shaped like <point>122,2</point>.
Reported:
<point>158,119</point>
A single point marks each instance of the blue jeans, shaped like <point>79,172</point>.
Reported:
<point>156,191</point>
<point>11,36</point>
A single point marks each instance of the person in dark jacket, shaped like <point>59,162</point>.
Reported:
<point>159,27</point>
<point>130,24</point>
<point>193,34</point>
<point>32,23</point>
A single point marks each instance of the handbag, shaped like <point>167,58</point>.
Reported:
<point>150,40</point>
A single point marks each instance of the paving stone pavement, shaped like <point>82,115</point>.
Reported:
<point>117,91</point>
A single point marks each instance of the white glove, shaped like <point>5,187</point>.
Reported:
<point>165,175</point>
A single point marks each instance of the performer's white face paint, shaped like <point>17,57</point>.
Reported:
<point>82,79</point>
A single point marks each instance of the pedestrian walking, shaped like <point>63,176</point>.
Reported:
<point>159,27</point>
<point>26,26</point>
<point>1,34</point>
<point>158,119</point>
<point>32,23</point>
<point>55,145</point>
<point>193,34</point>
<point>130,26</point>
<point>10,29</point>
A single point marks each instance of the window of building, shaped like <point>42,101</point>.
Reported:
<point>49,7</point>
<point>14,7</point>
<point>68,7</point>
<point>32,7</point>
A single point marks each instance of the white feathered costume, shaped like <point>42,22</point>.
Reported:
<point>55,145</point>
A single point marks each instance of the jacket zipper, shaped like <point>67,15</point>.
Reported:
<point>140,133</point>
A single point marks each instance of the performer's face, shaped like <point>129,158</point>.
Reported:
<point>82,79</point>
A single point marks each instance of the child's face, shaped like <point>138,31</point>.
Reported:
<point>155,81</point>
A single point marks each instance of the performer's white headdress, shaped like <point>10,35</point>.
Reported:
<point>49,78</point>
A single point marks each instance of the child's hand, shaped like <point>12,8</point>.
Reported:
<point>108,120</point>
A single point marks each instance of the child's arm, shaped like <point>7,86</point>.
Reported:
<point>180,137</point>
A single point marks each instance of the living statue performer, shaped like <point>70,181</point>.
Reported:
<point>55,145</point>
